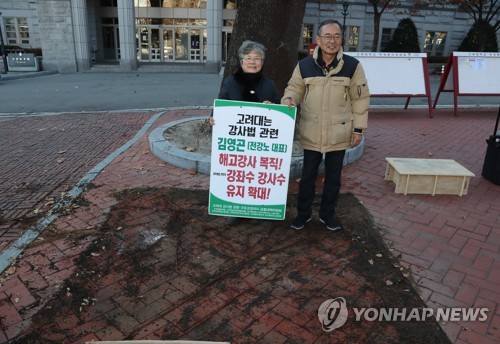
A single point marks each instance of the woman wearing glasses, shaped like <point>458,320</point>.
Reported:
<point>248,83</point>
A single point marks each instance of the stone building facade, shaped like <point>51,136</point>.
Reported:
<point>76,35</point>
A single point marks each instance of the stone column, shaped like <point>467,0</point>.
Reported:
<point>81,34</point>
<point>56,35</point>
<point>126,25</point>
<point>214,33</point>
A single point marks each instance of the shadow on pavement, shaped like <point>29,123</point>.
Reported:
<point>160,267</point>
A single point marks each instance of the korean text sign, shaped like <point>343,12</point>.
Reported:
<point>250,162</point>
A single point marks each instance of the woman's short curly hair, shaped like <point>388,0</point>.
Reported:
<point>250,46</point>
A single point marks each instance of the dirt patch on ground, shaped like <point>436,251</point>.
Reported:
<point>162,268</point>
<point>193,136</point>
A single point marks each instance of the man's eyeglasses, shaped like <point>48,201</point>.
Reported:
<point>252,59</point>
<point>330,38</point>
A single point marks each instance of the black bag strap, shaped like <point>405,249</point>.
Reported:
<point>496,124</point>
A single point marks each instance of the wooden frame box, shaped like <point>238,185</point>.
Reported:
<point>428,176</point>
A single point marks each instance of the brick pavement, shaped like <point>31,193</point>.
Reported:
<point>450,243</point>
<point>44,156</point>
<point>43,269</point>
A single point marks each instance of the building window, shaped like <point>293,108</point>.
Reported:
<point>171,3</point>
<point>230,4</point>
<point>17,31</point>
<point>307,35</point>
<point>352,38</point>
<point>386,38</point>
<point>434,43</point>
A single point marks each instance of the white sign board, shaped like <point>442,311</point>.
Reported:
<point>470,73</point>
<point>394,73</point>
<point>250,161</point>
<point>478,73</point>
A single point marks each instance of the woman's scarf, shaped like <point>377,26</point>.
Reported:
<point>249,82</point>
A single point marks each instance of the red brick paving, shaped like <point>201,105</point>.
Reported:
<point>44,156</point>
<point>450,243</point>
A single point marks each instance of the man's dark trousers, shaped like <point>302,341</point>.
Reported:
<point>307,185</point>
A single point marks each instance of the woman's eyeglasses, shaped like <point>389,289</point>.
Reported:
<point>252,59</point>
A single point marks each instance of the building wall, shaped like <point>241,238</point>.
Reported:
<point>51,27</point>
<point>56,35</point>
<point>23,8</point>
<point>449,20</point>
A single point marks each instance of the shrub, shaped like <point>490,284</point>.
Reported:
<point>405,38</point>
<point>480,38</point>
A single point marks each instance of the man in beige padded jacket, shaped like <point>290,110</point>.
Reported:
<point>333,94</point>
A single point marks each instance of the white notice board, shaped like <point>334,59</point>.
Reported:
<point>396,74</point>
<point>478,73</point>
<point>470,74</point>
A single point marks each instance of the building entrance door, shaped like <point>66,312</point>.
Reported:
<point>150,44</point>
<point>155,49</point>
<point>143,44</point>
<point>181,44</point>
<point>110,43</point>
<point>196,46</point>
<point>168,44</point>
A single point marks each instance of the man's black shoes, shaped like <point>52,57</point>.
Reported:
<point>331,222</point>
<point>299,222</point>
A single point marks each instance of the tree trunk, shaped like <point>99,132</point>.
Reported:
<point>276,24</point>
<point>376,30</point>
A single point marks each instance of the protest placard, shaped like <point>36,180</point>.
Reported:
<point>250,162</point>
